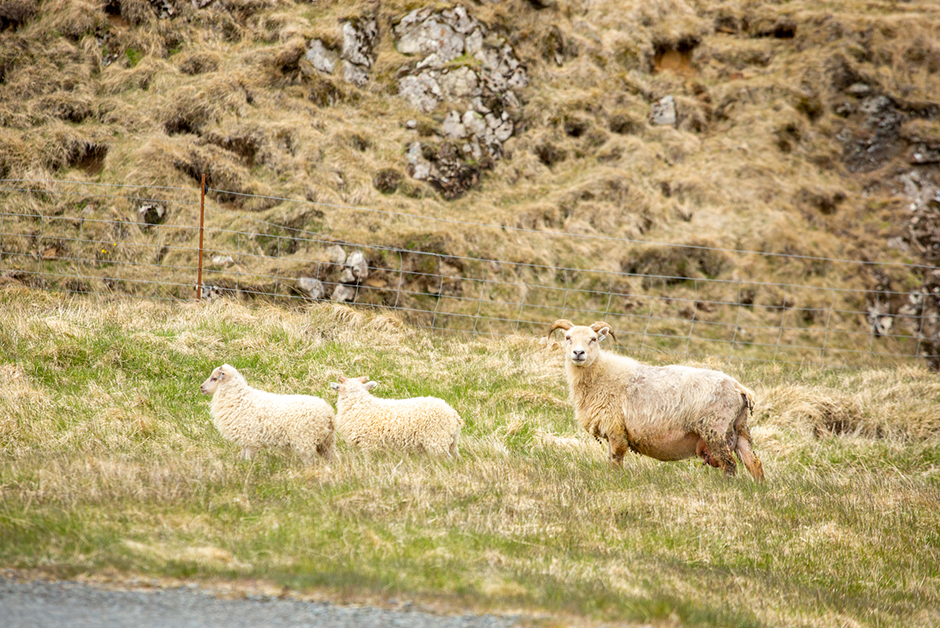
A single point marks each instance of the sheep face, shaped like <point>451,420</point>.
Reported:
<point>218,376</point>
<point>347,384</point>
<point>582,344</point>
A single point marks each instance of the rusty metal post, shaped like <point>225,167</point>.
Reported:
<point>202,222</point>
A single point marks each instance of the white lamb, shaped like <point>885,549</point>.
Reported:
<point>665,412</point>
<point>254,418</point>
<point>418,424</point>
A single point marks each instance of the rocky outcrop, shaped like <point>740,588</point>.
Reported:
<point>151,213</point>
<point>360,36</point>
<point>664,111</point>
<point>458,63</point>
<point>356,54</point>
<point>895,312</point>
<point>461,64</point>
<point>920,317</point>
<point>875,136</point>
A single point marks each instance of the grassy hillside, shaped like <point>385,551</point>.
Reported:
<point>804,129</point>
<point>111,470</point>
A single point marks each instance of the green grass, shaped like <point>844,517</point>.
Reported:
<point>109,464</point>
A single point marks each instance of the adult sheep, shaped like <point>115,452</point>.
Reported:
<point>665,412</point>
<point>254,418</point>
<point>418,424</point>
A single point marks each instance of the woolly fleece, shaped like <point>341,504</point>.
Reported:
<point>419,424</point>
<point>254,418</point>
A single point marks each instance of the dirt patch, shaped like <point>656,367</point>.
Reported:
<point>675,58</point>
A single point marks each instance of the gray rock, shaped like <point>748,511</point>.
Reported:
<point>422,91</point>
<point>899,244</point>
<point>408,32</point>
<point>342,293</point>
<point>923,154</point>
<point>473,42</point>
<point>223,261</point>
<point>346,276</point>
<point>879,317</point>
<point>358,75</point>
<point>152,213</point>
<point>321,57</point>
<point>310,287</point>
<point>358,54</point>
<point>358,267</point>
<point>504,131</point>
<point>876,105</point>
<point>478,105</point>
<point>432,36</point>
<point>359,41</point>
<point>859,89</point>
<point>441,43</point>
<point>460,84</point>
<point>473,122</point>
<point>453,126</point>
<point>165,9</point>
<point>439,37</point>
<point>461,20</point>
<point>336,254</point>
<point>419,167</point>
<point>210,292</point>
<point>664,112</point>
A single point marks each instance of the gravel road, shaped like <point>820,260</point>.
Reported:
<point>36,604</point>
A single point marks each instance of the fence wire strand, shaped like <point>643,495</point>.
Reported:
<point>671,315</point>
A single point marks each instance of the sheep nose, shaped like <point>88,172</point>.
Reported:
<point>578,354</point>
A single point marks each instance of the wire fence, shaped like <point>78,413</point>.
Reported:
<point>102,239</point>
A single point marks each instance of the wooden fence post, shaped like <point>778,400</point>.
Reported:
<point>202,222</point>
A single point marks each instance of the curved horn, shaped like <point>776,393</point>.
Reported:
<point>599,325</point>
<point>561,323</point>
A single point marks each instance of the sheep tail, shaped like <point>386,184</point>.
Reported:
<point>748,395</point>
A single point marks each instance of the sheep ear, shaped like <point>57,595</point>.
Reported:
<point>603,330</point>
<point>334,385</point>
<point>370,385</point>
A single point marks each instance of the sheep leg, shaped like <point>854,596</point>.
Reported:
<point>327,449</point>
<point>248,453</point>
<point>454,453</point>
<point>617,446</point>
<point>744,446</point>
<point>719,453</point>
<point>745,450</point>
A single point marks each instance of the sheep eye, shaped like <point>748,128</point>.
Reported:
<point>593,339</point>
